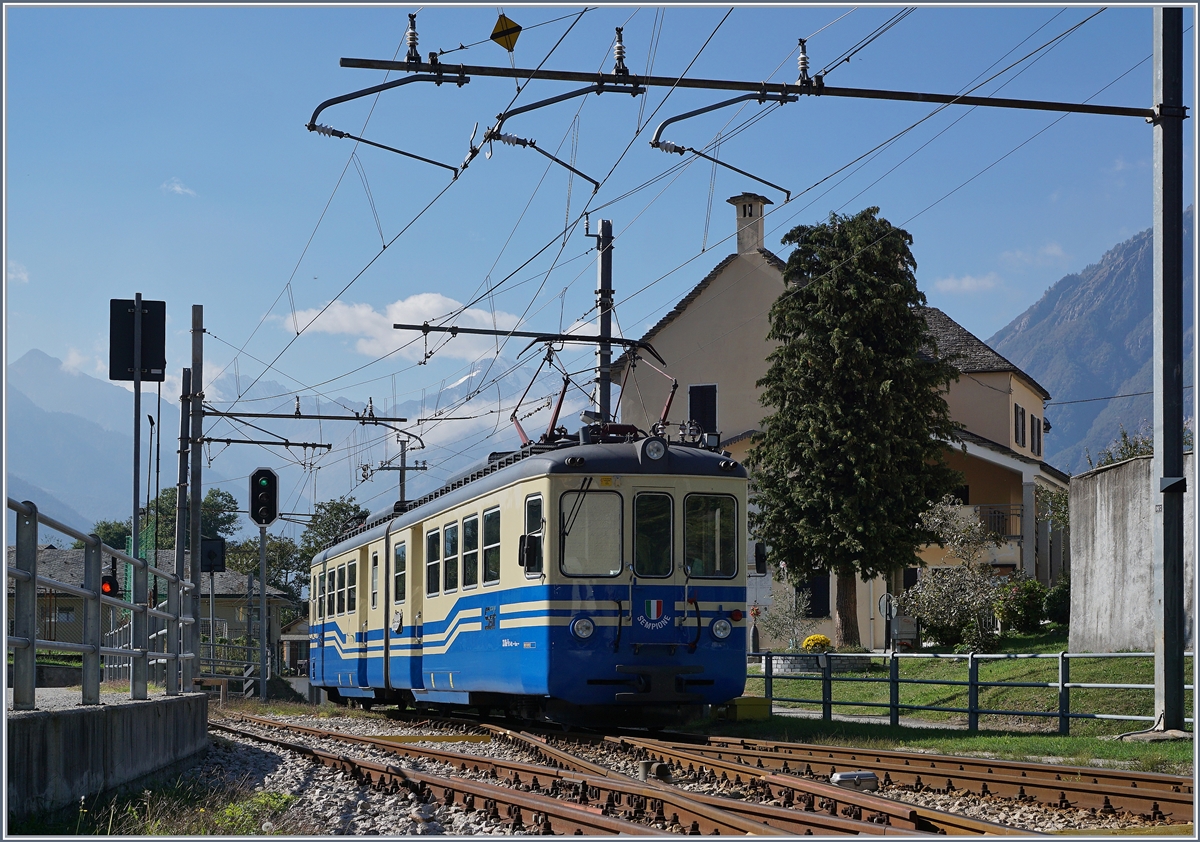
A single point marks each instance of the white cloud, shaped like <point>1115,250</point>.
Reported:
<point>1050,254</point>
<point>967,283</point>
<point>377,337</point>
<point>75,361</point>
<point>174,185</point>
<point>16,273</point>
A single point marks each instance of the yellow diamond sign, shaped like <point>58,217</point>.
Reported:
<point>506,32</point>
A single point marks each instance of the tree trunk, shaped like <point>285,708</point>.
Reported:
<point>845,615</point>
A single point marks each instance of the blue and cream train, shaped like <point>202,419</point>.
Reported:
<point>579,582</point>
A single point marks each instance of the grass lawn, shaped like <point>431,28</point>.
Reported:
<point>787,691</point>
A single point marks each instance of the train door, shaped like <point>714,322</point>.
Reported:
<point>405,627</point>
<point>375,599</point>
<point>656,598</point>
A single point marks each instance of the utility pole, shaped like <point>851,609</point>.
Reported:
<point>139,619</point>
<point>177,596</point>
<point>604,303</point>
<point>197,398</point>
<point>1168,369</point>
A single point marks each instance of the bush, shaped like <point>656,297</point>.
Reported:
<point>1057,604</point>
<point>953,604</point>
<point>1019,603</point>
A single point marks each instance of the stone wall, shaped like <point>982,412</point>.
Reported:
<point>1112,548</point>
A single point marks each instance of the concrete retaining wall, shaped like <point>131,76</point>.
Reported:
<point>55,757</point>
<point>1112,547</point>
<point>53,675</point>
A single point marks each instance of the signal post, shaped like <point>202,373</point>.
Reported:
<point>264,509</point>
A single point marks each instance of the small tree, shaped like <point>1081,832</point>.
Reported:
<point>959,531</point>
<point>954,605</point>
<point>330,520</point>
<point>788,619</point>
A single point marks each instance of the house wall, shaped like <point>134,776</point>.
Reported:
<point>981,402</point>
<point>986,481</point>
<point>720,338</point>
<point>1112,544</point>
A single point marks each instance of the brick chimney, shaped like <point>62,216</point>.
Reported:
<point>749,221</point>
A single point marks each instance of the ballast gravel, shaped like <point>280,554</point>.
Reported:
<point>336,804</point>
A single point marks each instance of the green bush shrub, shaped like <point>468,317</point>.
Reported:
<point>1057,604</point>
<point>1019,603</point>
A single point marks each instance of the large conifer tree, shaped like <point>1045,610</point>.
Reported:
<point>853,451</point>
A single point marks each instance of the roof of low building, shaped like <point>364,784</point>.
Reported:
<point>66,566</point>
<point>972,355</point>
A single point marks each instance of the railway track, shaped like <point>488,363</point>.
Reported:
<point>1153,795</point>
<point>772,804</point>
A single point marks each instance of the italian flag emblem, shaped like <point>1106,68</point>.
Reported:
<point>654,609</point>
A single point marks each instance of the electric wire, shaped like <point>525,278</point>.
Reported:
<point>869,39</point>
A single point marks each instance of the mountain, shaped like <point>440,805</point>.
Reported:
<point>1091,336</point>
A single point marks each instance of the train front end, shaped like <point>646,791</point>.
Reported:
<point>644,554</point>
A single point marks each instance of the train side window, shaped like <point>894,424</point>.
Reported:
<point>433,563</point>
<point>710,535</point>
<point>531,544</point>
<point>470,551</point>
<point>341,589</point>
<point>652,532</point>
<point>331,594</point>
<point>399,573</point>
<point>450,557</point>
<point>320,577</point>
<point>590,532</point>
<point>374,581</point>
<point>351,586</point>
<point>491,546</point>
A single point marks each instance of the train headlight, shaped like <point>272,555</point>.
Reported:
<point>653,449</point>
<point>721,628</point>
<point>583,628</point>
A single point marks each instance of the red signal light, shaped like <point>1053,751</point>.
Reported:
<point>110,587</point>
<point>735,614</point>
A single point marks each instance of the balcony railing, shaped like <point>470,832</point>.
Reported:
<point>1003,519</point>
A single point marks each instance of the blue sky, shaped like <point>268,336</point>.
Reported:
<point>162,150</point>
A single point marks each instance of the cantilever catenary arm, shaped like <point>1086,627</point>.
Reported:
<point>761,97</point>
<point>374,89</point>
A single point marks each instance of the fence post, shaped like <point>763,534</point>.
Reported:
<point>1064,694</point>
<point>25,611</point>
<point>769,676</point>
<point>972,692</point>
<point>826,687</point>
<point>894,689</point>
<point>91,622</point>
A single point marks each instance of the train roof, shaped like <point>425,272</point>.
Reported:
<point>500,469</point>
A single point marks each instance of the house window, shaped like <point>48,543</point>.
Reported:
<point>533,533</point>
<point>702,407</point>
<point>351,585</point>
<point>399,573</point>
<point>1035,435</point>
<point>470,552</point>
<point>433,562</point>
<point>341,589</point>
<point>818,595</point>
<point>910,577</point>
<point>491,546</point>
<point>374,581</point>
<point>1019,425</point>
<point>450,557</point>
<point>66,615</point>
<point>963,493</point>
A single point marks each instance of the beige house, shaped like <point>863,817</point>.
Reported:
<point>714,344</point>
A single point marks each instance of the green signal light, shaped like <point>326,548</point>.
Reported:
<point>264,482</point>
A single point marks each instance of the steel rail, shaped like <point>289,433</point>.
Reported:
<point>618,793</point>
<point>551,814</point>
<point>615,795</point>
<point>631,80</point>
<point>836,799</point>
<point>1106,790</point>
